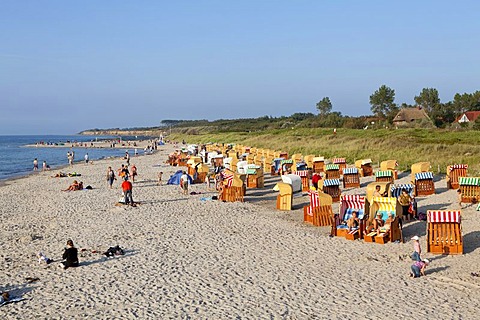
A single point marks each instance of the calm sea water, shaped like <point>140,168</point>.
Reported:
<point>17,160</point>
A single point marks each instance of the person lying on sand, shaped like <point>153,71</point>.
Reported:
<point>73,187</point>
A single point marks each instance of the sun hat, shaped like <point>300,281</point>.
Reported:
<point>426,261</point>
<point>379,214</point>
<point>415,238</point>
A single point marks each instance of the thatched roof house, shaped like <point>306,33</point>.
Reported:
<point>407,116</point>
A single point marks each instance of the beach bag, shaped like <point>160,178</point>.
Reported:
<point>410,208</point>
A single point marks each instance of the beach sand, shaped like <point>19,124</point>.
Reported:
<point>187,258</point>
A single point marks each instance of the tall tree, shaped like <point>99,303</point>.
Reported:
<point>466,102</point>
<point>428,99</point>
<point>382,102</point>
<point>324,106</point>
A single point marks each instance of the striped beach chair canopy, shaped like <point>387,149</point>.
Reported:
<point>287,161</point>
<point>444,216</point>
<point>469,181</point>
<point>424,175</point>
<point>251,171</point>
<point>385,205</point>
<point>314,201</point>
<point>332,166</point>
<point>350,171</point>
<point>331,182</point>
<point>228,177</point>
<point>385,173</point>
<point>396,190</point>
<point>350,203</point>
<point>339,160</point>
<point>318,159</point>
<point>458,166</point>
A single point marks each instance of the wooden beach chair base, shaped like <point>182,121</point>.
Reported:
<point>424,187</point>
<point>370,237</point>
<point>382,238</point>
<point>353,235</point>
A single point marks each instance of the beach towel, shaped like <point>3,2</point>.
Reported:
<point>11,300</point>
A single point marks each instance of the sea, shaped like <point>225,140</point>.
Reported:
<point>16,159</point>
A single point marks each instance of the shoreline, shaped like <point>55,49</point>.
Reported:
<point>100,145</point>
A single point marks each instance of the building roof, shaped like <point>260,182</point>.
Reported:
<point>410,114</point>
<point>470,115</point>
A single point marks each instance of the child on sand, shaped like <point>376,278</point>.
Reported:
<point>70,256</point>
<point>418,268</point>
<point>160,178</point>
<point>417,250</point>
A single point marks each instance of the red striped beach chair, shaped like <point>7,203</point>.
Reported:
<point>348,204</point>
<point>342,163</point>
<point>305,175</point>
<point>319,212</point>
<point>444,232</point>
<point>454,172</point>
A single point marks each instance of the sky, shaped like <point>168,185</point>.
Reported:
<point>67,66</point>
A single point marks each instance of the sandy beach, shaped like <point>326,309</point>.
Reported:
<point>193,259</point>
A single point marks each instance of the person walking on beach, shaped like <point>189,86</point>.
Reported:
<point>35,164</point>
<point>127,192</point>
<point>127,158</point>
<point>86,158</point>
<point>70,159</point>
<point>70,256</point>
<point>184,183</point>
<point>44,165</point>
<point>110,176</point>
<point>134,172</point>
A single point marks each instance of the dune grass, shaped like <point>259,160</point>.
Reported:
<point>407,146</point>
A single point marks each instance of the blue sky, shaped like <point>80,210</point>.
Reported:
<point>66,66</point>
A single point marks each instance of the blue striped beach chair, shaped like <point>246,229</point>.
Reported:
<point>351,178</point>
<point>424,185</point>
<point>332,187</point>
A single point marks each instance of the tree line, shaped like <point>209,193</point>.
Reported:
<point>385,109</point>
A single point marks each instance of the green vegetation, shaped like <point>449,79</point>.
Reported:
<point>407,146</point>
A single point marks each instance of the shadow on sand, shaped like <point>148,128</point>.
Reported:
<point>471,241</point>
<point>104,258</point>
